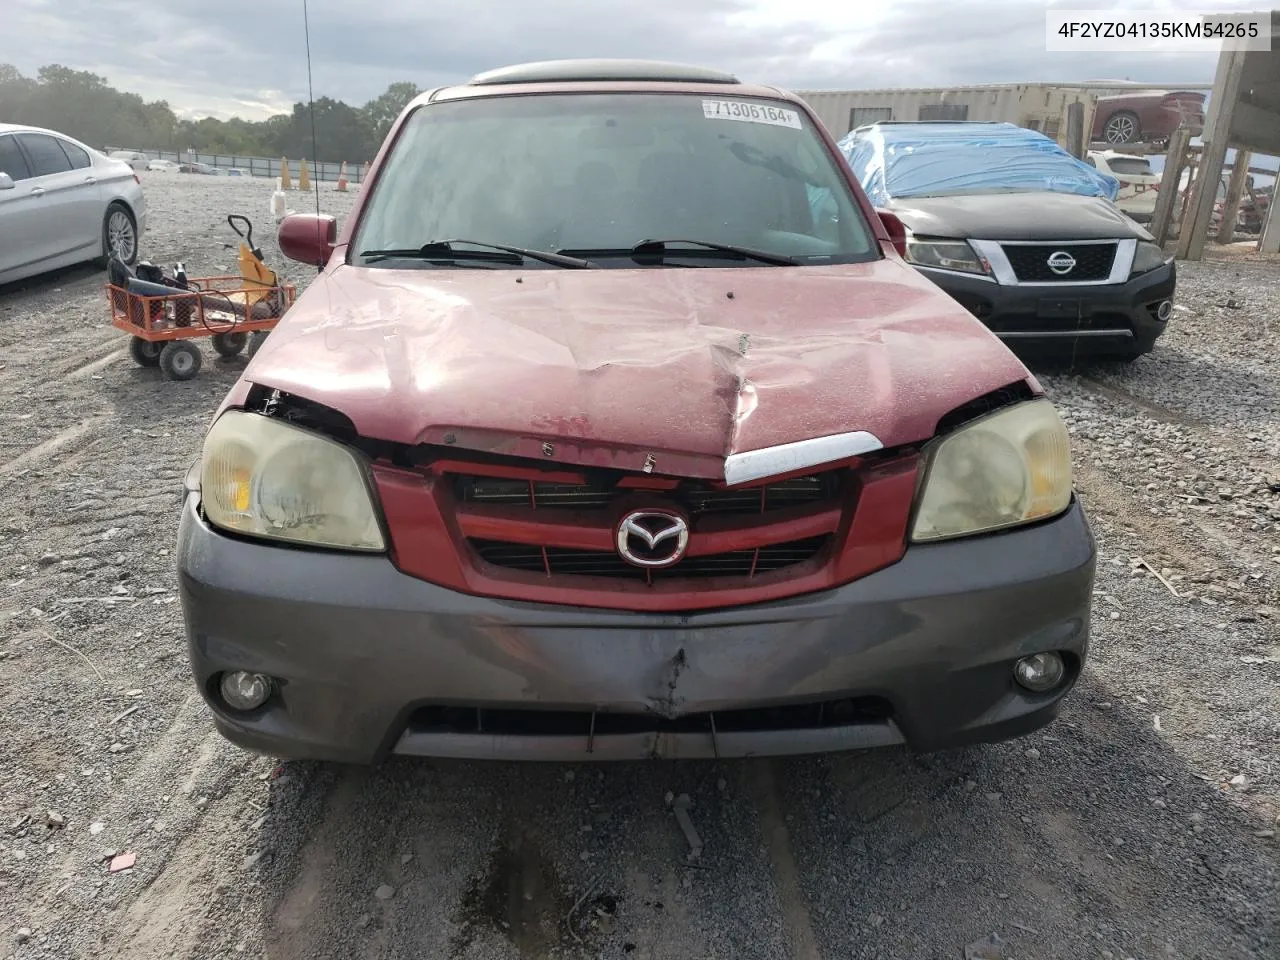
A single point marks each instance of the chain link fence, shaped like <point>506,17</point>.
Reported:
<point>268,167</point>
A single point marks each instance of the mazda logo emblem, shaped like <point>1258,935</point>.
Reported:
<point>652,538</point>
<point>1061,262</point>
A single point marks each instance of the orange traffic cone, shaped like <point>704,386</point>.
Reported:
<point>304,178</point>
<point>342,178</point>
<point>285,182</point>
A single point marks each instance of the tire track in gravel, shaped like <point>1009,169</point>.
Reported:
<point>490,861</point>
<point>416,830</point>
<point>65,438</point>
<point>99,348</point>
<point>296,928</point>
<point>178,837</point>
<point>1105,495</point>
<point>795,911</point>
<point>1258,459</point>
<point>1060,853</point>
<point>98,365</point>
<point>1196,538</point>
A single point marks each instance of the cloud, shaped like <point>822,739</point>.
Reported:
<point>249,58</point>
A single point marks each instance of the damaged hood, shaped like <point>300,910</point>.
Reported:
<point>1017,216</point>
<point>683,366</point>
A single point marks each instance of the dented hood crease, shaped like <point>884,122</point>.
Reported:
<point>699,361</point>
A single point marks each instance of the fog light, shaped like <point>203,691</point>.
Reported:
<point>245,691</point>
<point>1165,310</point>
<point>1040,673</point>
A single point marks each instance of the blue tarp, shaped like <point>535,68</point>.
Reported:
<point>932,159</point>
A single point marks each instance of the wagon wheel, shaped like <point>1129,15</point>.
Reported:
<point>1121,127</point>
<point>256,341</point>
<point>180,360</point>
<point>144,352</point>
<point>230,344</point>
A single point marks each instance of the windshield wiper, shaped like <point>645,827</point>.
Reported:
<point>646,248</point>
<point>444,250</point>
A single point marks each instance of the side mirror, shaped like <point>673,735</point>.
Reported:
<point>6,181</point>
<point>308,238</point>
<point>896,229</point>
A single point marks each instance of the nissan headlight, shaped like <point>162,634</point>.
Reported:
<point>267,478</point>
<point>946,255</point>
<point>1008,468</point>
<point>1146,258</point>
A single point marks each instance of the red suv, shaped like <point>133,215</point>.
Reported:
<point>616,426</point>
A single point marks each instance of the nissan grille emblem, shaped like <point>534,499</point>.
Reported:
<point>652,539</point>
<point>1061,262</point>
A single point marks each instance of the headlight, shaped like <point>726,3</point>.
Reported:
<point>1008,468</point>
<point>1147,257</point>
<point>267,478</point>
<point>946,255</point>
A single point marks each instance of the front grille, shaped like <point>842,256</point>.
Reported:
<point>585,723</point>
<point>694,498</point>
<point>554,561</point>
<point>1088,320</point>
<point>1030,263</point>
<point>548,533</point>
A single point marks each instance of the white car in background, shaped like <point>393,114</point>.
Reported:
<point>1139,184</point>
<point>139,161</point>
<point>63,203</point>
<point>163,166</point>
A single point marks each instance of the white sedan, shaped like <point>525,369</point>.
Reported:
<point>1139,184</point>
<point>63,203</point>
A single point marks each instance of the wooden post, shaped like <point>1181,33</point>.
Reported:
<point>1075,130</point>
<point>1193,171</point>
<point>1217,135</point>
<point>1235,188</point>
<point>1175,162</point>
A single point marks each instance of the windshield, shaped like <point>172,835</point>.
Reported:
<point>604,172</point>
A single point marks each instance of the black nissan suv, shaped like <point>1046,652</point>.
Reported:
<point>1020,232</point>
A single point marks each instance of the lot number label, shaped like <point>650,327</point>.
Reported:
<point>750,113</point>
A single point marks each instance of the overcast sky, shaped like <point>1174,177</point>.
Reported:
<point>248,57</point>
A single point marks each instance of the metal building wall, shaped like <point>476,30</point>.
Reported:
<point>1043,105</point>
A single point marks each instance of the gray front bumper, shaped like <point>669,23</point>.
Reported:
<point>358,647</point>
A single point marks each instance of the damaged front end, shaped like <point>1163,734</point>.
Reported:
<point>509,617</point>
<point>800,518</point>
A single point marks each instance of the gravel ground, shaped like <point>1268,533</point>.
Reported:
<point>1141,825</point>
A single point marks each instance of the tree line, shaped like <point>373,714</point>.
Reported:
<point>84,106</point>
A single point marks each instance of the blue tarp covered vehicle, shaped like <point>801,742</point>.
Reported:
<point>897,160</point>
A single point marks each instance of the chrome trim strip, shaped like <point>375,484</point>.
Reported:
<point>786,457</point>
<point>1126,250</point>
<point>1035,334</point>
<point>986,278</point>
<point>1000,266</point>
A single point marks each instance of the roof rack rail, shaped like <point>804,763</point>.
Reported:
<point>586,70</point>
